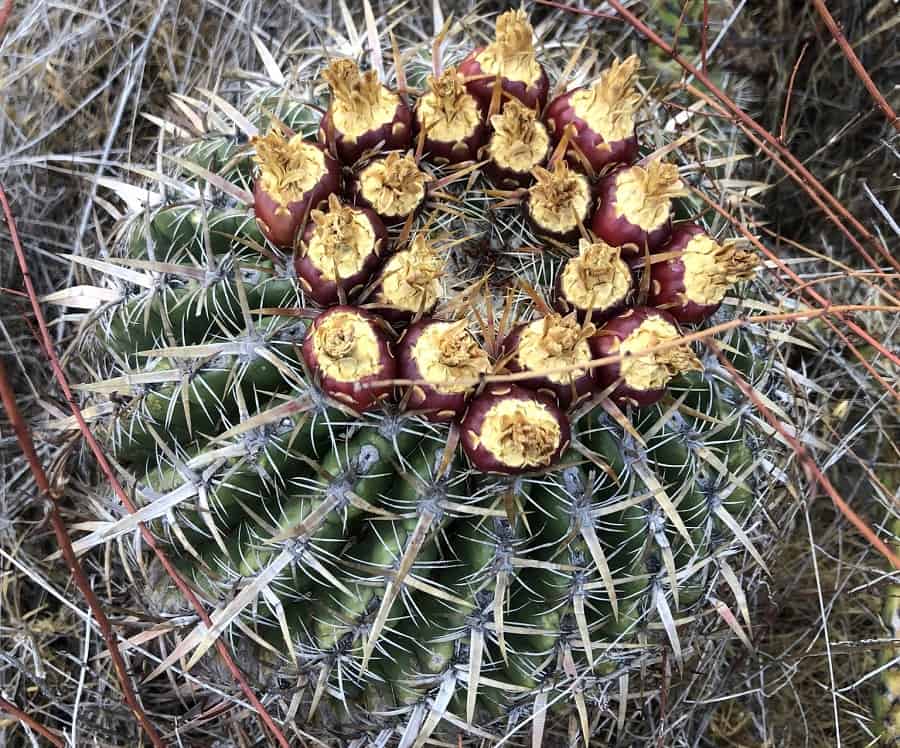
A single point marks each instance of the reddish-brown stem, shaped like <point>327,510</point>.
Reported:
<point>809,465</point>
<point>13,711</point>
<point>704,33</point>
<point>116,485</point>
<point>797,171</point>
<point>5,12</point>
<point>65,545</point>
<point>782,133</point>
<point>856,64</point>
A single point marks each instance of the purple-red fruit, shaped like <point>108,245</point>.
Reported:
<point>451,120</point>
<point>510,56</point>
<point>640,377</point>
<point>691,285</point>
<point>341,250</point>
<point>511,430</point>
<point>559,202</point>
<point>348,352</point>
<point>294,177</point>
<point>602,117</point>
<point>634,206</point>
<point>393,186</point>
<point>596,284</point>
<point>518,144</point>
<point>364,115</point>
<point>447,361</point>
<point>552,344</point>
<point>410,283</point>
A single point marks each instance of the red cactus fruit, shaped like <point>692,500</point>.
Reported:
<point>410,284</point>
<point>635,204</point>
<point>347,350</point>
<point>393,186</point>
<point>452,120</point>
<point>603,117</point>
<point>341,250</point>
<point>363,114</point>
<point>596,284</point>
<point>518,144</point>
<point>294,177</point>
<point>510,56</point>
<point>444,355</point>
<point>511,430</point>
<point>559,202</point>
<point>641,379</point>
<point>691,285</point>
<point>547,344</point>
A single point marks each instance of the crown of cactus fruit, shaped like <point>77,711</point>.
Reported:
<point>420,391</point>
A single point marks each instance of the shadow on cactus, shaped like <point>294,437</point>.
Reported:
<point>396,365</point>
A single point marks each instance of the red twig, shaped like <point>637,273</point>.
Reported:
<point>65,545</point>
<point>809,464</point>
<point>834,209</point>
<point>5,12</point>
<point>24,718</point>
<point>116,485</point>
<point>704,33</point>
<point>856,64</point>
<point>782,133</point>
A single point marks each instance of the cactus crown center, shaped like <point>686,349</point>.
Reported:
<point>609,105</point>
<point>289,167</point>
<point>359,102</point>
<point>447,111</point>
<point>394,185</point>
<point>652,371</point>
<point>511,54</point>
<point>520,140</point>
<point>559,198</point>
<point>644,194</point>
<point>710,268</point>
<point>521,432</point>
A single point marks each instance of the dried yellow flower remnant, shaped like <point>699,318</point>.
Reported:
<point>559,199</point>
<point>288,168</point>
<point>341,241</point>
<point>511,54</point>
<point>394,186</point>
<point>652,371</point>
<point>644,195</point>
<point>520,139</point>
<point>711,268</point>
<point>346,347</point>
<point>555,342</point>
<point>447,112</point>
<point>359,102</point>
<point>521,433</point>
<point>446,354</point>
<point>412,278</point>
<point>597,278</point>
<point>609,105</point>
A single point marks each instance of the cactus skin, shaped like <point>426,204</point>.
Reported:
<point>406,578</point>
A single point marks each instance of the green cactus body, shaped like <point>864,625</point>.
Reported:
<point>414,592</point>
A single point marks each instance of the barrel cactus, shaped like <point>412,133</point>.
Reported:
<point>394,358</point>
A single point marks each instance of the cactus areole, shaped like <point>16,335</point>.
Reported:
<point>427,408</point>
